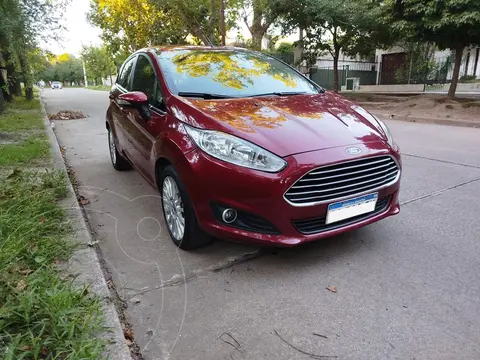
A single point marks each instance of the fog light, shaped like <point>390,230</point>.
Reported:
<point>229,215</point>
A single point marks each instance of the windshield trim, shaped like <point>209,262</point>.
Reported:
<point>173,90</point>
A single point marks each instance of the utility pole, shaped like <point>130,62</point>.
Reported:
<point>84,74</point>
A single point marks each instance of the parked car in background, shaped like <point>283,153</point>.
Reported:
<point>241,146</point>
<point>57,85</point>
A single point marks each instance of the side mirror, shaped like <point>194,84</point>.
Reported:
<point>134,98</point>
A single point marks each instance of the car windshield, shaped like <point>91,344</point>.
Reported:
<point>230,73</point>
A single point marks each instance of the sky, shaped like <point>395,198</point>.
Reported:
<point>79,32</point>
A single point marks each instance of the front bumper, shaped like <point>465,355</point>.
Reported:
<point>209,180</point>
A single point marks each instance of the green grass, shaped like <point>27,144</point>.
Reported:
<point>43,315</point>
<point>35,147</point>
<point>22,115</point>
<point>100,87</point>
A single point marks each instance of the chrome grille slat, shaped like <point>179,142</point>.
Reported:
<point>346,167</point>
<point>384,172</point>
<point>350,179</point>
<point>340,175</point>
<point>346,193</point>
<point>338,187</point>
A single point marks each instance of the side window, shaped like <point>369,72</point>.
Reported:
<point>123,78</point>
<point>144,79</point>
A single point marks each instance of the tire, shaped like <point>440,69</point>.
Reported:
<point>192,236</point>
<point>118,161</point>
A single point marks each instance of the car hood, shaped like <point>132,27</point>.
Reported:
<point>284,125</point>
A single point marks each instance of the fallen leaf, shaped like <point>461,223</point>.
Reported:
<point>110,284</point>
<point>44,351</point>
<point>128,342</point>
<point>93,243</point>
<point>83,200</point>
<point>25,271</point>
<point>42,219</point>
<point>21,285</point>
<point>332,288</point>
<point>128,333</point>
<point>25,348</point>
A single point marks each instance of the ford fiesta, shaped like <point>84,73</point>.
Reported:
<point>241,146</point>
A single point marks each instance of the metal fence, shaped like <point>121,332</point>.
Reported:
<point>404,68</point>
<point>324,76</point>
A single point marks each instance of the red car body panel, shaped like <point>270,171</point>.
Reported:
<point>307,131</point>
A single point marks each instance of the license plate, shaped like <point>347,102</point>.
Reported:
<point>350,208</point>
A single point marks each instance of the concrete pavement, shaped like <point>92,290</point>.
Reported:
<point>407,287</point>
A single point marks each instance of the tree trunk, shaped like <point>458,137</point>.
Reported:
<point>29,93</point>
<point>335,71</point>
<point>257,29</point>
<point>213,21</point>
<point>222,22</point>
<point>2,102</point>
<point>298,52</point>
<point>111,80</point>
<point>17,87</point>
<point>456,72</point>
<point>3,82</point>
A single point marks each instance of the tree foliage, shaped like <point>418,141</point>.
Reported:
<point>65,68</point>
<point>350,26</point>
<point>450,24</point>
<point>131,25</point>
<point>98,62</point>
<point>22,24</point>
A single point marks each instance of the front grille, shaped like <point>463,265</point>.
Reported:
<point>317,225</point>
<point>246,221</point>
<point>338,181</point>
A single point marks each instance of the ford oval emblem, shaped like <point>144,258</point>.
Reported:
<point>353,150</point>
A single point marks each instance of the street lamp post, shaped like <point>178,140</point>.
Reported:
<point>84,74</point>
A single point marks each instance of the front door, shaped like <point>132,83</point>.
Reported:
<point>146,124</point>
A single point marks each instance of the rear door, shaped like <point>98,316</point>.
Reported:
<point>144,131</point>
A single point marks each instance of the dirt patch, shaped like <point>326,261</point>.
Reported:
<point>430,106</point>
<point>14,137</point>
<point>67,115</point>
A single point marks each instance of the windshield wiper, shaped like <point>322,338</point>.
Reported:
<point>203,95</point>
<point>283,93</point>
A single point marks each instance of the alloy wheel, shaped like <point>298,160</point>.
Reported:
<point>113,150</point>
<point>173,208</point>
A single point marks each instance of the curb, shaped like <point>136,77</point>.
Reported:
<point>462,123</point>
<point>85,262</point>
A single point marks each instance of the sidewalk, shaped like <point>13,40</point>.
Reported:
<point>427,119</point>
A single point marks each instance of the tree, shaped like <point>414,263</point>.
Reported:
<point>98,62</point>
<point>450,24</point>
<point>130,25</point>
<point>350,26</point>
<point>64,68</point>
<point>23,23</point>
<point>258,16</point>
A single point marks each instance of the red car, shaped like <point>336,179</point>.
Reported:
<point>242,146</point>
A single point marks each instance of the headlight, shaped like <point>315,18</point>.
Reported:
<point>234,150</point>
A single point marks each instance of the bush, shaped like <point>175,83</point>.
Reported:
<point>468,78</point>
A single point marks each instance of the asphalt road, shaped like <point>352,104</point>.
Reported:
<point>408,286</point>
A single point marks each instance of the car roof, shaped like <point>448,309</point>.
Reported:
<point>161,48</point>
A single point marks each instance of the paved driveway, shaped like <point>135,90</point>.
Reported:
<point>408,287</point>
